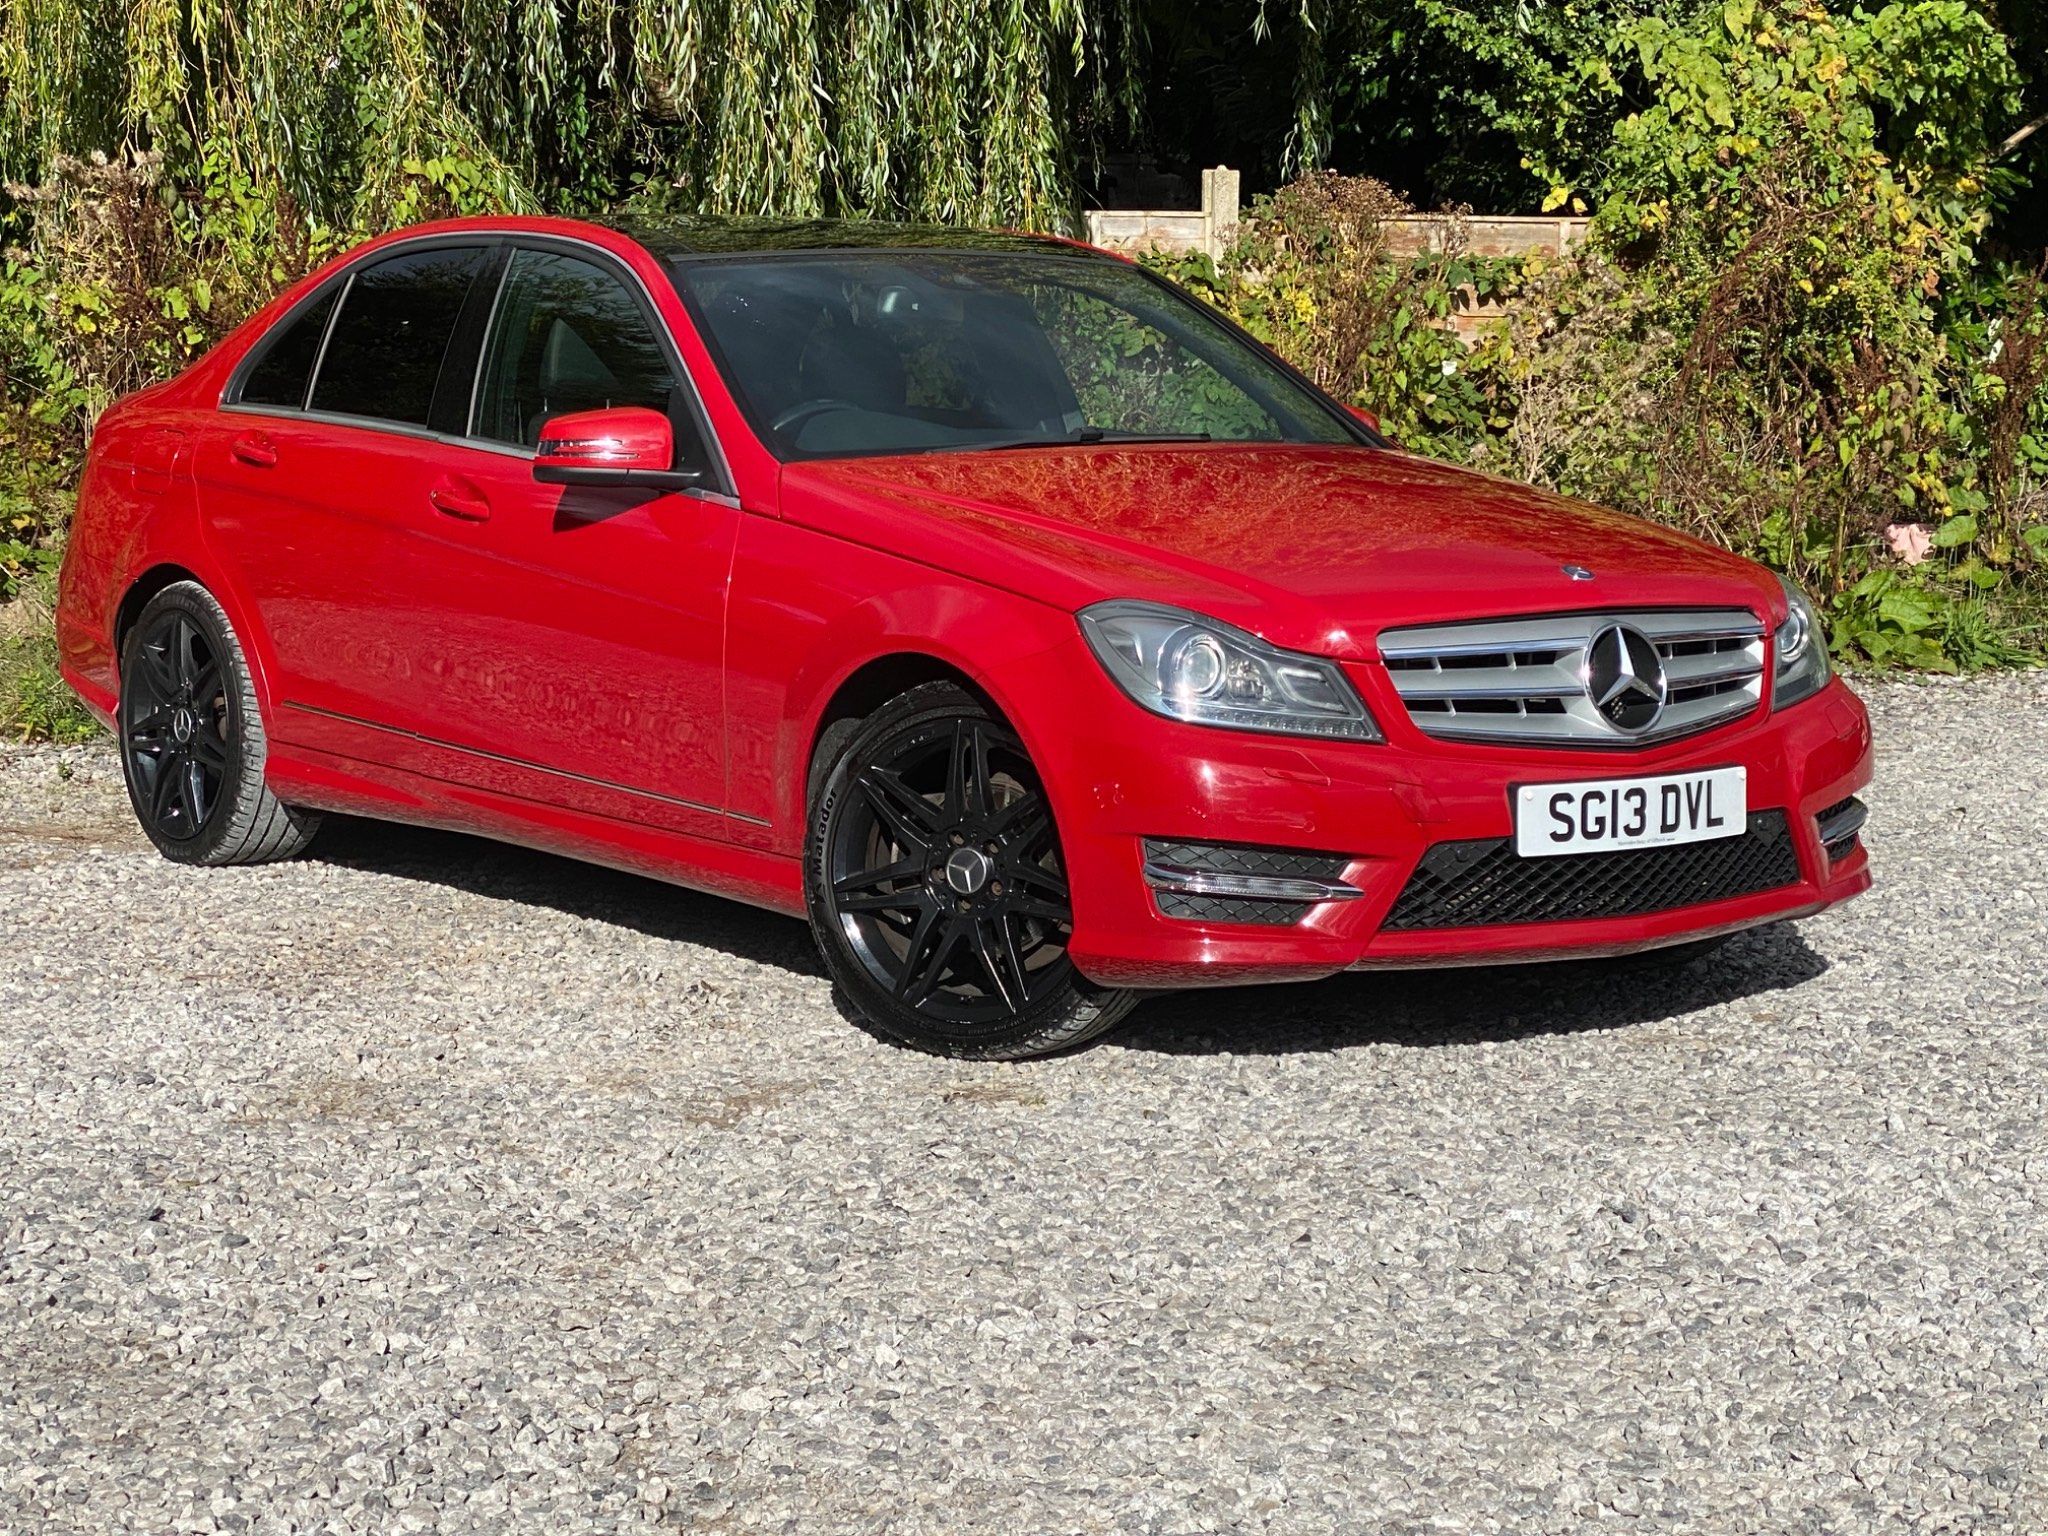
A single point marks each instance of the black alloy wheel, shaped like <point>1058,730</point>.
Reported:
<point>193,747</point>
<point>945,877</point>
<point>176,725</point>
<point>937,886</point>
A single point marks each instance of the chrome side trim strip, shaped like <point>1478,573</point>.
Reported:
<point>517,762</point>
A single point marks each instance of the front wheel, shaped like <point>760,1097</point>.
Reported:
<point>192,740</point>
<point>936,889</point>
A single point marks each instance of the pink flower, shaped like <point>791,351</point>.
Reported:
<point>1911,542</point>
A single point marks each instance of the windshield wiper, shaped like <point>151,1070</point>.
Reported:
<point>1079,437</point>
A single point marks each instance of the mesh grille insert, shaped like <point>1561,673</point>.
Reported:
<point>1230,909</point>
<point>1246,859</point>
<point>1484,883</point>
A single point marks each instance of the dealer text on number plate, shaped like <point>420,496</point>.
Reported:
<point>1603,815</point>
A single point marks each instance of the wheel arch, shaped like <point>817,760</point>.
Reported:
<point>159,574</point>
<point>875,682</point>
<point>870,682</point>
<point>145,586</point>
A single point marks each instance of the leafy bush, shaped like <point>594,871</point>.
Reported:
<point>1788,266</point>
<point>1313,276</point>
<point>1783,334</point>
<point>35,703</point>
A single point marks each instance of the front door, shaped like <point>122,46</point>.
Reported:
<point>574,631</point>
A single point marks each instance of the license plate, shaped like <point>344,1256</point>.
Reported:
<point>1603,815</point>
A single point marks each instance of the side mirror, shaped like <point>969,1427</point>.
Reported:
<point>1370,418</point>
<point>624,445</point>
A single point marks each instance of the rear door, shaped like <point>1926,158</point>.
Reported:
<point>324,490</point>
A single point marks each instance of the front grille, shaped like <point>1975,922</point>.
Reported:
<point>1484,883</point>
<point>1525,680</point>
<point>1180,871</point>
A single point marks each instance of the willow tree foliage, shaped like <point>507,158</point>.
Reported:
<point>944,109</point>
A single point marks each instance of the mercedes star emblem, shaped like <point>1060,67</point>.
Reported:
<point>1576,572</point>
<point>1625,679</point>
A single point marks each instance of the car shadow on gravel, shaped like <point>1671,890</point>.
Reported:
<point>1469,1006</point>
<point>506,872</point>
<point>1415,1008</point>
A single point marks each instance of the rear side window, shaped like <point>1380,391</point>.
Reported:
<point>384,355</point>
<point>570,336</point>
<point>286,362</point>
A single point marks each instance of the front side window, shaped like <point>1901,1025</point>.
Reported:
<point>285,365</point>
<point>570,336</point>
<point>901,352</point>
<point>384,354</point>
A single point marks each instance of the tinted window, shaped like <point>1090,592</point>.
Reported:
<point>570,336</point>
<point>385,352</point>
<point>286,361</point>
<point>955,350</point>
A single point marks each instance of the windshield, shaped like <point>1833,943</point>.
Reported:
<point>932,351</point>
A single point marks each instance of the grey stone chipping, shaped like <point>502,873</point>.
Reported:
<point>430,1185</point>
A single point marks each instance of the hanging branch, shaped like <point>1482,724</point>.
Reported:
<point>919,109</point>
<point>2019,136</point>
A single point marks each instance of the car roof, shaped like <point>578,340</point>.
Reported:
<point>674,235</point>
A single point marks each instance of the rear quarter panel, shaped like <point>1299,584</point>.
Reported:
<point>137,512</point>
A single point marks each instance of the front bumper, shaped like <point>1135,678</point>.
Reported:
<point>1119,775</point>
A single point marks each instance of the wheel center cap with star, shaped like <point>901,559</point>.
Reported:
<point>968,869</point>
<point>183,726</point>
<point>1625,679</point>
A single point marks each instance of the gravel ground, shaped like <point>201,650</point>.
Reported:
<point>432,1185</point>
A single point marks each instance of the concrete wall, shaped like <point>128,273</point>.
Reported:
<point>1487,234</point>
<point>1213,226</point>
<point>1209,228</point>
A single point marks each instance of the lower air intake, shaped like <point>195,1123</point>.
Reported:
<point>1486,884</point>
<point>1241,882</point>
<point>1840,826</point>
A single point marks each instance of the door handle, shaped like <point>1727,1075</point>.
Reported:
<point>254,448</point>
<point>462,501</point>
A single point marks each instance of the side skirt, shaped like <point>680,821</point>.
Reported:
<point>329,781</point>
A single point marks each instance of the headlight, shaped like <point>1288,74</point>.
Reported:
<point>1190,668</point>
<point>1802,652</point>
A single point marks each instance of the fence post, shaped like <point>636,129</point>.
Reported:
<point>1219,210</point>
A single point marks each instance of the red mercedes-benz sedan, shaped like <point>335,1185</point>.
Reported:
<point>1034,631</point>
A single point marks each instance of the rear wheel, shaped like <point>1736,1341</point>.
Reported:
<point>936,887</point>
<point>192,741</point>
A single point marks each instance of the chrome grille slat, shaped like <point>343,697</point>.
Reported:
<point>1721,667</point>
<point>1493,683</point>
<point>1523,680</point>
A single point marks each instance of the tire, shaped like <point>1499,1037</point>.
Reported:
<point>936,890</point>
<point>192,739</point>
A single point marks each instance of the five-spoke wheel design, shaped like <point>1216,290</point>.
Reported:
<point>176,725</point>
<point>937,885</point>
